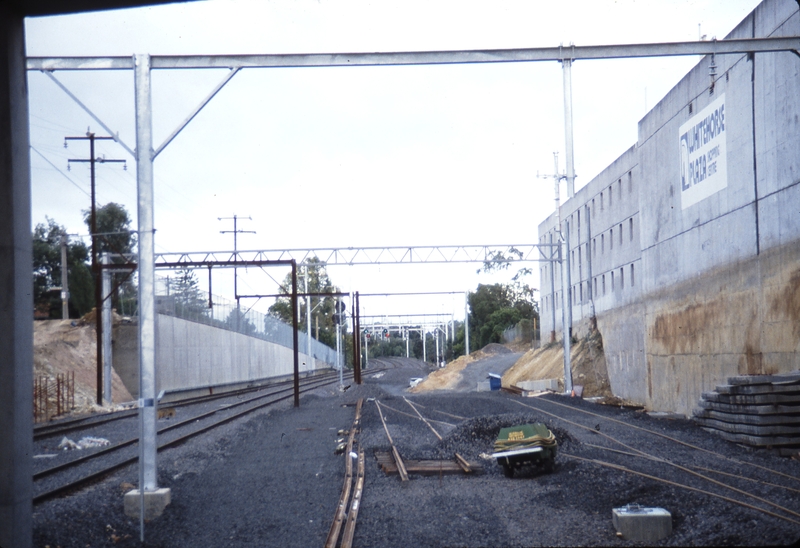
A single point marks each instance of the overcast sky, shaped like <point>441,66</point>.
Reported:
<point>366,156</point>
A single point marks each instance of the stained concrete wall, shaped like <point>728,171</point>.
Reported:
<point>716,284</point>
<point>191,356</point>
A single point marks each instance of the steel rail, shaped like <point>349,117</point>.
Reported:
<point>705,469</point>
<point>401,467</point>
<point>81,423</point>
<point>41,497</point>
<point>680,485</point>
<point>341,508</point>
<point>670,438</point>
<point>355,504</point>
<point>117,446</point>
<point>665,461</point>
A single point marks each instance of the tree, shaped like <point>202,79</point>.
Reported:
<point>189,300</point>
<point>493,308</point>
<point>323,327</point>
<point>114,236</point>
<point>47,272</point>
<point>113,229</point>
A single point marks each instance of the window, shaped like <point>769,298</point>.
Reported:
<point>611,239</point>
<point>630,224</point>
<point>610,194</point>
<point>594,247</point>
<point>602,243</point>
<point>601,201</point>
<point>612,280</point>
<point>619,186</point>
<point>632,278</point>
<point>630,182</point>
<point>581,291</point>
<point>622,278</point>
<point>594,213</point>
<point>595,286</point>
<point>620,234</point>
<point>579,225</point>
<point>604,284</point>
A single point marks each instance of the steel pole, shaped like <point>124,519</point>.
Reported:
<point>308,317</point>
<point>566,66</point>
<point>107,326</point>
<point>147,321</point>
<point>466,321</point>
<point>565,328</point>
<point>294,337</point>
<point>64,279</point>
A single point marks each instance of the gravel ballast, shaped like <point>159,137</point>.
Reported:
<point>273,479</point>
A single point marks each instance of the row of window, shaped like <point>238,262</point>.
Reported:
<point>603,284</point>
<point>579,265</point>
<point>608,194</point>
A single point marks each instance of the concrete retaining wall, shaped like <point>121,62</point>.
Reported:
<point>711,285</point>
<point>193,356</point>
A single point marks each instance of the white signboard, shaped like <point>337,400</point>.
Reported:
<point>703,154</point>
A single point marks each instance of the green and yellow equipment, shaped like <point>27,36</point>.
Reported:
<point>524,445</point>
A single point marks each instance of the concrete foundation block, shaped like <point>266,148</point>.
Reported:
<point>154,503</point>
<point>640,524</point>
<point>539,386</point>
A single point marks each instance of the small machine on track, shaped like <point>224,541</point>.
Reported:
<point>524,445</point>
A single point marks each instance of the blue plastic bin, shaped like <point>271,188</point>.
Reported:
<point>494,381</point>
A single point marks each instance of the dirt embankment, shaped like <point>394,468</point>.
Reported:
<point>449,376</point>
<point>60,348</point>
<point>586,357</point>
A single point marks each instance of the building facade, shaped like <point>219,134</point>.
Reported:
<point>686,249</point>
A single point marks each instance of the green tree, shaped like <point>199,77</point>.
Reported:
<point>114,236</point>
<point>113,229</point>
<point>323,327</point>
<point>189,300</point>
<point>47,272</point>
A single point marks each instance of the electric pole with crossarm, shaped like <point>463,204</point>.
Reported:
<point>98,295</point>
<point>235,231</point>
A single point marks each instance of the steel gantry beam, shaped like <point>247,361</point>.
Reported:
<point>559,53</point>
<point>370,255</point>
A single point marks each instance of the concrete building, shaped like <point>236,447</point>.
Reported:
<point>687,247</point>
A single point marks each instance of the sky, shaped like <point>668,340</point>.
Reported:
<point>353,156</point>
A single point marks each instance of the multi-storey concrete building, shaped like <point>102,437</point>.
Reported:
<point>686,249</point>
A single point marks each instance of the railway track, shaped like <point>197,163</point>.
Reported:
<point>617,444</point>
<point>88,466</point>
<point>66,426</point>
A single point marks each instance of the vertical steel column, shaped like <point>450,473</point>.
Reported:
<point>16,302</point>
<point>589,257</point>
<point>357,340</point>
<point>566,66</point>
<point>147,319</point>
<point>566,312</point>
<point>308,318</point>
<point>294,336</point>
<point>107,325</point>
<point>64,278</point>
<point>466,322</point>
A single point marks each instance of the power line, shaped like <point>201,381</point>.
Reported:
<point>61,172</point>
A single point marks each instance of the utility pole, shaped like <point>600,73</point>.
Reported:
<point>235,231</point>
<point>98,296</point>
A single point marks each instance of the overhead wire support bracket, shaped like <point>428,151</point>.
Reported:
<point>196,111</point>
<point>114,135</point>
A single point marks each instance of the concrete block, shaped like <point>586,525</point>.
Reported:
<point>539,386</point>
<point>154,503</point>
<point>484,386</point>
<point>640,524</point>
